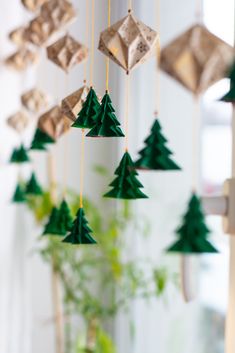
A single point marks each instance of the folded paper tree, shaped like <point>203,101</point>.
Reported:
<point>33,187</point>
<point>54,123</point>
<point>52,226</point>
<point>19,155</point>
<point>126,185</point>
<point>22,59</point>
<point>18,36</point>
<point>18,121</point>
<point>19,194</point>
<point>72,104</point>
<point>229,97</point>
<point>33,5</point>
<point>40,140</point>
<point>67,52</point>
<point>60,12</point>
<point>34,100</point>
<point>193,232</point>
<point>105,121</point>
<point>156,156</point>
<point>129,42</point>
<point>40,30</point>
<point>80,232</point>
<point>86,116</point>
<point>197,59</point>
<point>65,219</point>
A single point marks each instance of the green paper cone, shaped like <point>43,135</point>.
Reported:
<point>193,232</point>
<point>33,187</point>
<point>19,194</point>
<point>86,116</point>
<point>106,123</point>
<point>126,185</point>
<point>19,155</point>
<point>51,228</point>
<point>230,96</point>
<point>156,156</point>
<point>65,220</point>
<point>40,139</point>
<point>80,232</point>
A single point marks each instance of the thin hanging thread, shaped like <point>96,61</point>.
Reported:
<point>82,167</point>
<point>92,40</point>
<point>126,122</point>
<point>52,176</point>
<point>130,5</point>
<point>65,159</point>
<point>158,53</point>
<point>107,58</point>
<point>195,127</point>
<point>198,11</point>
<point>86,40</point>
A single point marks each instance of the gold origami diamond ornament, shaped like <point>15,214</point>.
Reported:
<point>129,42</point>
<point>197,59</point>
<point>18,121</point>
<point>72,104</point>
<point>67,52</point>
<point>60,12</point>
<point>40,30</point>
<point>18,37</point>
<point>22,59</point>
<point>34,100</point>
<point>54,122</point>
<point>33,5</point>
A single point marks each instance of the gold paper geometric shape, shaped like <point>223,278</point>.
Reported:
<point>67,52</point>
<point>129,42</point>
<point>54,122</point>
<point>18,121</point>
<point>33,5</point>
<point>17,36</point>
<point>22,59</point>
<point>60,12</point>
<point>72,104</point>
<point>197,59</point>
<point>34,100</point>
<point>40,30</point>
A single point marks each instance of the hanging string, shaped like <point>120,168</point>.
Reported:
<point>158,52</point>
<point>107,58</point>
<point>126,121</point>
<point>52,176</point>
<point>92,40</point>
<point>82,167</point>
<point>65,157</point>
<point>198,11</point>
<point>195,151</point>
<point>86,40</point>
<point>130,6</point>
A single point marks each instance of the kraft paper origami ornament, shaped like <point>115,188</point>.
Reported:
<point>193,232</point>
<point>34,100</point>
<point>197,59</point>
<point>106,123</point>
<point>64,220</point>
<point>40,140</point>
<point>72,104</point>
<point>126,185</point>
<point>33,5</point>
<point>18,121</point>
<point>60,12</point>
<point>39,31</point>
<point>33,187</point>
<point>67,52</point>
<point>19,194</point>
<point>156,156</point>
<point>80,232</point>
<point>18,36</point>
<point>22,59</point>
<point>129,42</point>
<point>19,155</point>
<point>51,228</point>
<point>54,123</point>
<point>229,97</point>
<point>86,117</point>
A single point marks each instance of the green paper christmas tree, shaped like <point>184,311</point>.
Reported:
<point>193,232</point>
<point>126,185</point>
<point>19,155</point>
<point>86,116</point>
<point>230,96</point>
<point>19,194</point>
<point>65,220</point>
<point>106,123</point>
<point>52,228</point>
<point>33,187</point>
<point>80,232</point>
<point>156,156</point>
<point>40,139</point>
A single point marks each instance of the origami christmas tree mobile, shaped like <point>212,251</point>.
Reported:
<point>197,59</point>
<point>65,220</point>
<point>19,155</point>
<point>19,194</point>
<point>156,156</point>
<point>193,232</point>
<point>86,117</point>
<point>106,123</point>
<point>230,96</point>
<point>33,187</point>
<point>126,185</point>
<point>52,227</point>
<point>40,140</point>
<point>80,232</point>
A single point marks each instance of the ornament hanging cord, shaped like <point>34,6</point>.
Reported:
<point>65,162</point>
<point>107,58</point>
<point>158,53</point>
<point>126,121</point>
<point>198,11</point>
<point>86,40</point>
<point>130,5</point>
<point>92,41</point>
